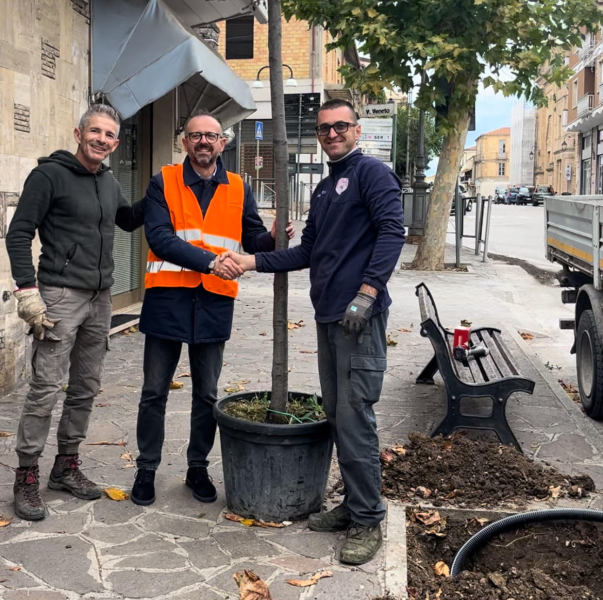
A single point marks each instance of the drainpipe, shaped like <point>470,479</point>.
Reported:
<point>313,75</point>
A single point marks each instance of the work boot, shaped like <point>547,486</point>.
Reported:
<point>337,519</point>
<point>143,492</point>
<point>361,544</point>
<point>66,475</point>
<point>200,482</point>
<point>28,504</point>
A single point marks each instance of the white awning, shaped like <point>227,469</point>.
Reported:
<point>141,50</point>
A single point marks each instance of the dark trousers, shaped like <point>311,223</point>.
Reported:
<point>160,361</point>
<point>351,377</point>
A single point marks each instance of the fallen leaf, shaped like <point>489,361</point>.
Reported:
<point>252,522</point>
<point>404,330</point>
<point>185,374</point>
<point>447,445</point>
<point>465,323</point>
<point>176,385</point>
<point>428,518</point>
<point>64,387</point>
<point>387,456</point>
<point>116,494</point>
<point>105,443</point>
<point>4,522</point>
<point>6,434</point>
<point>423,492</point>
<point>292,325</point>
<point>526,336</point>
<point>482,522</point>
<point>307,351</point>
<point>441,568</point>
<point>14,568</point>
<point>263,333</point>
<point>129,466</point>
<point>251,587</point>
<point>101,404</point>
<point>311,581</point>
<point>450,496</point>
<point>438,594</point>
<point>233,389</point>
<point>555,491</point>
<point>399,449</point>
<point>127,456</point>
<point>391,341</point>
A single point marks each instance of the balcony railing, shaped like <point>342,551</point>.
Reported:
<point>502,156</point>
<point>585,104</point>
<point>587,47</point>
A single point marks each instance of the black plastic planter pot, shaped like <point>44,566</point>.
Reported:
<point>273,472</point>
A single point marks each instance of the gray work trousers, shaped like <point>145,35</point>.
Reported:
<point>81,350</point>
<point>351,377</point>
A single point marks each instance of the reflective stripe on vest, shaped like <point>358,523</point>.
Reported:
<point>219,230</point>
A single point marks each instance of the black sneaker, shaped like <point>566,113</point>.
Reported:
<point>143,492</point>
<point>200,482</point>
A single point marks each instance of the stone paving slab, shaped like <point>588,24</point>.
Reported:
<point>181,549</point>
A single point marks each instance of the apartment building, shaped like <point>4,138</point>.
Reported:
<point>467,172</point>
<point>523,129</point>
<point>491,161</point>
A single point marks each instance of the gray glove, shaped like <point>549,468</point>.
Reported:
<point>32,310</point>
<point>358,314</point>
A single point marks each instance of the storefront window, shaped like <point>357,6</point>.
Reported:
<point>585,179</point>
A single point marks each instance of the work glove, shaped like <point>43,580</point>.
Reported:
<point>32,310</point>
<point>358,314</point>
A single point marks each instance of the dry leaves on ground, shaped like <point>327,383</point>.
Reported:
<point>176,385</point>
<point>404,330</point>
<point>571,390</point>
<point>6,434</point>
<point>307,351</point>
<point>292,325</point>
<point>391,341</point>
<point>526,336</point>
<point>465,323</point>
<point>441,569</point>
<point>254,523</point>
<point>14,568</point>
<point>236,386</point>
<point>251,587</point>
<point>4,522</point>
<point>185,374</point>
<point>555,491</point>
<point>116,494</point>
<point>308,582</point>
<point>105,443</point>
<point>428,518</point>
<point>101,404</point>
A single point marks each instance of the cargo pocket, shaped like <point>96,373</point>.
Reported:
<point>366,378</point>
<point>45,359</point>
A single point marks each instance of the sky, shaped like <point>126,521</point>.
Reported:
<point>491,112</point>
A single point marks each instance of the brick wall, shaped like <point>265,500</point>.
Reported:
<point>43,91</point>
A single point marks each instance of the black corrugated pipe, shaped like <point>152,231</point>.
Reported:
<point>515,521</point>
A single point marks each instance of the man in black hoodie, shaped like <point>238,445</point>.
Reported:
<point>74,203</point>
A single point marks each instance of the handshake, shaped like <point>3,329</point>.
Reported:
<point>230,265</point>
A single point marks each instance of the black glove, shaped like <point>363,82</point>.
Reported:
<point>358,314</point>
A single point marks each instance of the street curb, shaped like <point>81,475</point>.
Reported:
<point>396,576</point>
<point>582,421</point>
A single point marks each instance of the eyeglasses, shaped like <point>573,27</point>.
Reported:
<point>339,127</point>
<point>210,136</point>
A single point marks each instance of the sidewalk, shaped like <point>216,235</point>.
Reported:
<point>179,548</point>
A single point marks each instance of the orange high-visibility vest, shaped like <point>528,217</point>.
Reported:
<point>220,230</point>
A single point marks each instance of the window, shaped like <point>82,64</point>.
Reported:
<point>564,120</point>
<point>501,169</point>
<point>502,146</point>
<point>575,93</point>
<point>566,61</point>
<point>239,38</point>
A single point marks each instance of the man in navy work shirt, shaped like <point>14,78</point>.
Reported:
<point>193,212</point>
<point>351,243</point>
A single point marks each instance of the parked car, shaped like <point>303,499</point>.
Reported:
<point>542,192</point>
<point>525,194</point>
<point>511,195</point>
<point>499,196</point>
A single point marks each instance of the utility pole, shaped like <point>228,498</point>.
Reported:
<point>406,183</point>
<point>419,203</point>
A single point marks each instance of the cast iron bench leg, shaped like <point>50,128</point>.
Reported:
<point>430,369</point>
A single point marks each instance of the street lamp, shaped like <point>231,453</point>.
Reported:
<point>564,144</point>
<point>532,152</point>
<point>291,82</point>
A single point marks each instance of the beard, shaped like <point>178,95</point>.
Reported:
<point>204,160</point>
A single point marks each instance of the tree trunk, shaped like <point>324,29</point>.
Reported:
<point>280,362</point>
<point>430,253</point>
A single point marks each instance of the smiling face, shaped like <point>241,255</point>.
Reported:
<point>337,145</point>
<point>203,152</point>
<point>96,141</point>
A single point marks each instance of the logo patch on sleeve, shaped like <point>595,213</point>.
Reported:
<point>342,185</point>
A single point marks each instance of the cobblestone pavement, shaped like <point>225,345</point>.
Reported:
<point>179,548</point>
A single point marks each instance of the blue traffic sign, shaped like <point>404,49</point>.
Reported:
<point>259,130</point>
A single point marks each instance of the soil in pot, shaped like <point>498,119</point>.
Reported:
<point>300,409</point>
<point>458,471</point>
<point>544,561</point>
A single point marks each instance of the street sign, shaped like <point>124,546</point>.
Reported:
<point>306,168</point>
<point>259,162</point>
<point>259,130</point>
<point>376,137</point>
<point>568,172</point>
<point>379,110</point>
<point>377,153</point>
<point>373,144</point>
<point>380,123</point>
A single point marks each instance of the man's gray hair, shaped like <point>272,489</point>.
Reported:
<point>102,110</point>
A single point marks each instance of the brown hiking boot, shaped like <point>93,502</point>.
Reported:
<point>361,545</point>
<point>28,504</point>
<point>66,475</point>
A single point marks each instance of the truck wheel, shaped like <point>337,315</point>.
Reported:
<point>589,362</point>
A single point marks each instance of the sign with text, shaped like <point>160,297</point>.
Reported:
<point>376,137</point>
<point>259,162</point>
<point>379,110</point>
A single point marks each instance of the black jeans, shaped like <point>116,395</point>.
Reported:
<point>160,361</point>
<point>351,377</point>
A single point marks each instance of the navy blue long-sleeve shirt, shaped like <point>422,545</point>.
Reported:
<point>192,315</point>
<point>353,235</point>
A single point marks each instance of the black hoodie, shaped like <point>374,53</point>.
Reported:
<point>75,212</point>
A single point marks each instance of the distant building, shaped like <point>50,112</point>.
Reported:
<point>467,173</point>
<point>491,161</point>
<point>523,139</point>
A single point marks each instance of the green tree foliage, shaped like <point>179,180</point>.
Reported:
<point>433,138</point>
<point>457,43</point>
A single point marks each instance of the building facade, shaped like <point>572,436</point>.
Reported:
<point>47,81</point>
<point>491,161</point>
<point>467,172</point>
<point>523,139</point>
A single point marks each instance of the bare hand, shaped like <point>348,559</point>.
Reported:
<point>246,263</point>
<point>226,268</point>
<point>290,230</point>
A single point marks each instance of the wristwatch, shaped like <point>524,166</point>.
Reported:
<point>212,265</point>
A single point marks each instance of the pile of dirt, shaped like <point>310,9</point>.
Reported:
<point>544,561</point>
<point>471,473</point>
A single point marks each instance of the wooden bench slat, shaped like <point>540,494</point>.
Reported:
<point>505,353</point>
<point>499,361</point>
<point>463,372</point>
<point>478,376</point>
<point>487,363</point>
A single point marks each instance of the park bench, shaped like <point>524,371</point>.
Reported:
<point>494,376</point>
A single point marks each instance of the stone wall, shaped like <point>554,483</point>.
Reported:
<point>44,82</point>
